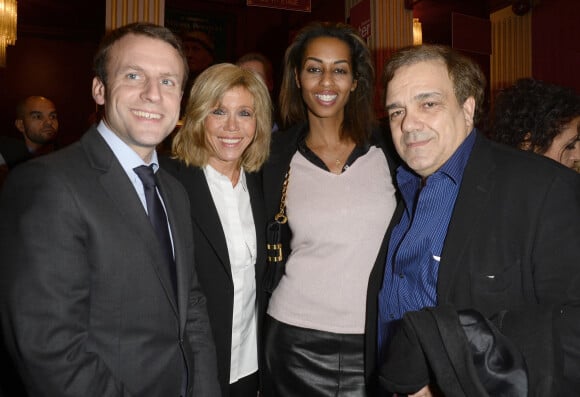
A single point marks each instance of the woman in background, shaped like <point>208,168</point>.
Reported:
<point>224,140</point>
<point>339,202</point>
<point>539,117</point>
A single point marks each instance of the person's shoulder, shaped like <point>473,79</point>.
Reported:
<point>381,138</point>
<point>68,158</point>
<point>177,168</point>
<point>9,142</point>
<point>287,138</point>
<point>171,178</point>
<point>13,150</point>
<point>188,177</point>
<point>55,174</point>
<point>169,164</point>
<point>524,164</point>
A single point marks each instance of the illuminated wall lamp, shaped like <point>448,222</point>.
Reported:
<point>7,27</point>
<point>417,32</point>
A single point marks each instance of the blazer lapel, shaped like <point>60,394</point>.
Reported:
<point>283,148</point>
<point>476,187</point>
<point>204,213</point>
<point>257,203</point>
<point>119,188</point>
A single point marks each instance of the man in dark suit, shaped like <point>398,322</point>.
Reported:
<point>91,306</point>
<point>481,226</point>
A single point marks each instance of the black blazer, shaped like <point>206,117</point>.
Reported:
<point>513,249</point>
<point>212,259</point>
<point>87,303</point>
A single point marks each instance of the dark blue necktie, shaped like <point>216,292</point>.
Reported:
<point>157,217</point>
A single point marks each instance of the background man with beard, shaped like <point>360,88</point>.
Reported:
<point>37,120</point>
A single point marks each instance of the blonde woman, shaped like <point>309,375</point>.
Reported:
<point>224,140</point>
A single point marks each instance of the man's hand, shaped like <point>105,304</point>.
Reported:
<point>427,391</point>
<point>424,392</point>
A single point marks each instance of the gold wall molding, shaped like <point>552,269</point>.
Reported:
<point>511,48</point>
<point>123,12</point>
<point>391,29</point>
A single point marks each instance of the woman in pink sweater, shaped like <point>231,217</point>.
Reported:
<point>339,202</point>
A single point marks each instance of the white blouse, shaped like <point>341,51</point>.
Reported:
<point>235,213</point>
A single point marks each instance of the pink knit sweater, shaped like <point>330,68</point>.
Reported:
<point>338,223</point>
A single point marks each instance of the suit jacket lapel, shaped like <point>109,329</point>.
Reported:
<point>476,187</point>
<point>205,215</point>
<point>122,193</point>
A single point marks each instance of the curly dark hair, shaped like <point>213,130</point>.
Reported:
<point>531,113</point>
<point>358,113</point>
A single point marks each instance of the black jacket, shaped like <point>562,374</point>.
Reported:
<point>212,258</point>
<point>512,246</point>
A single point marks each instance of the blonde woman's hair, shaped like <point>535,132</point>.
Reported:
<point>190,144</point>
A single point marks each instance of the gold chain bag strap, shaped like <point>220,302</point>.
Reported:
<point>275,254</point>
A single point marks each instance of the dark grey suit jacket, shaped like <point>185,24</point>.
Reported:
<point>512,249</point>
<point>14,151</point>
<point>87,306</point>
<point>212,258</point>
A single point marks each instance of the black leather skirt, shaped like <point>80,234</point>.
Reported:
<point>310,363</point>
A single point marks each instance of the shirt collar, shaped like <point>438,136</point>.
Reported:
<point>359,151</point>
<point>128,158</point>
<point>455,166</point>
<point>214,175</point>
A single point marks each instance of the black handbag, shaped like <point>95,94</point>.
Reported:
<point>275,232</point>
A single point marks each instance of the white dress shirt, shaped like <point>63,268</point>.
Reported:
<point>235,213</point>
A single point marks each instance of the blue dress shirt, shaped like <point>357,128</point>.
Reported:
<point>414,252</point>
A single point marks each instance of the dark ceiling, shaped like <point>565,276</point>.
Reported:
<point>61,17</point>
<point>86,18</point>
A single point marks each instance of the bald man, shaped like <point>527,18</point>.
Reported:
<point>37,121</point>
